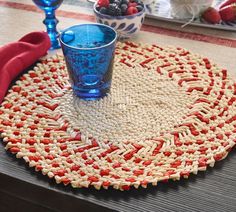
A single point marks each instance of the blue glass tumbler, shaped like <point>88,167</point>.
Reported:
<point>89,54</point>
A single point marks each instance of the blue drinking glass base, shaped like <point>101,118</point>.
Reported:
<point>91,94</point>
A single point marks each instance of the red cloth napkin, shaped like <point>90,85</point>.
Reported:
<point>17,56</point>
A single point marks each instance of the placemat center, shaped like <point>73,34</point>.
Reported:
<point>142,104</point>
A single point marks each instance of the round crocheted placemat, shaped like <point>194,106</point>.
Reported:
<point>169,113</point>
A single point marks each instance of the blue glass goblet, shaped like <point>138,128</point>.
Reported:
<point>49,7</point>
<point>89,52</point>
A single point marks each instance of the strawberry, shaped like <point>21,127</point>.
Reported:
<point>103,3</point>
<point>226,3</point>
<point>132,4</point>
<point>131,10</point>
<point>211,15</point>
<point>228,13</point>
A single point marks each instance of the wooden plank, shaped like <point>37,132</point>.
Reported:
<point>10,203</point>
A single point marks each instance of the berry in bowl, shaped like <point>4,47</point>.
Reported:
<point>125,16</point>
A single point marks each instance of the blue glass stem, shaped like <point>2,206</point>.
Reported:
<point>51,22</point>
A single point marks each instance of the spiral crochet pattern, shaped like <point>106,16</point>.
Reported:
<point>170,113</point>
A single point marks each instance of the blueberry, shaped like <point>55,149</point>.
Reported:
<point>125,2</point>
<point>141,3</point>
<point>123,8</point>
<point>114,10</point>
<point>118,12</point>
<point>139,8</point>
<point>111,8</point>
<point>98,8</point>
<point>137,1</point>
<point>117,2</point>
<point>103,10</point>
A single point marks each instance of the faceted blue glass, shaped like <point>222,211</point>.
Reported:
<point>49,7</point>
<point>89,53</point>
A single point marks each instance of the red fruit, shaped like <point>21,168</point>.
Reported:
<point>132,4</point>
<point>226,3</point>
<point>228,13</point>
<point>131,11</point>
<point>103,3</point>
<point>211,15</point>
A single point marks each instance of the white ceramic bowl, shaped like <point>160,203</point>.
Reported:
<point>126,26</point>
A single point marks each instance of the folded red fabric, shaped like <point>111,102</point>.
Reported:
<point>17,56</point>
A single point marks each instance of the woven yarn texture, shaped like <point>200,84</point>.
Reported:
<point>170,113</point>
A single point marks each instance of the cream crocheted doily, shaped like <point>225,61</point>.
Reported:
<point>169,113</point>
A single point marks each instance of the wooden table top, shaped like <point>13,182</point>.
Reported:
<point>213,190</point>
